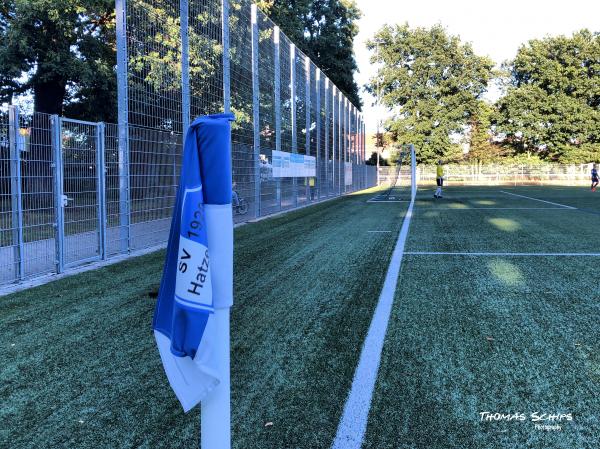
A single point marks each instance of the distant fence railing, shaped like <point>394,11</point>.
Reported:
<point>501,174</point>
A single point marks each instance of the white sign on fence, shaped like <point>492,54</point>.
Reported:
<point>348,173</point>
<point>290,165</point>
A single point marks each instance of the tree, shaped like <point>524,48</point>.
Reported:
<point>372,160</point>
<point>482,148</point>
<point>552,105</point>
<point>324,30</point>
<point>432,81</point>
<point>63,52</point>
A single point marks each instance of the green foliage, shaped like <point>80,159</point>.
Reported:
<point>552,106</point>
<point>481,147</point>
<point>383,162</point>
<point>324,30</point>
<point>432,81</point>
<point>66,50</point>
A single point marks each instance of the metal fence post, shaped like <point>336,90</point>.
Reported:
<point>356,140</point>
<point>333,140</point>
<point>124,179</point>
<point>226,66</point>
<point>307,120</point>
<point>364,150</point>
<point>357,150</point>
<point>360,153</point>
<point>59,198</point>
<point>345,138</point>
<point>101,188</point>
<point>185,64</point>
<point>318,131</point>
<point>351,143</point>
<point>277,99</point>
<point>339,143</point>
<point>327,122</point>
<point>293,107</point>
<point>255,109</point>
<point>16,192</point>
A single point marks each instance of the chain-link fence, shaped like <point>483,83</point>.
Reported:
<point>499,174</point>
<point>74,192</point>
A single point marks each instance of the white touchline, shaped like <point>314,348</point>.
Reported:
<point>353,424</point>
<point>374,200</point>
<point>450,253</point>
<point>500,208</point>
<point>537,199</point>
<point>379,231</point>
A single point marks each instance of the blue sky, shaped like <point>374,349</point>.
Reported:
<point>495,29</point>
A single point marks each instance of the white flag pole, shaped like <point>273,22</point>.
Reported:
<point>215,416</point>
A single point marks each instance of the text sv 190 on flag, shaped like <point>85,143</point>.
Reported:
<point>198,274</point>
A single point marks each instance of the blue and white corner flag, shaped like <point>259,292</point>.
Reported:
<point>198,273</point>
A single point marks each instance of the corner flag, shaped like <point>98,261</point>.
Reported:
<point>198,273</point>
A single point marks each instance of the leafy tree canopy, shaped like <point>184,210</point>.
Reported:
<point>324,30</point>
<point>62,51</point>
<point>432,81</point>
<point>482,148</point>
<point>552,105</point>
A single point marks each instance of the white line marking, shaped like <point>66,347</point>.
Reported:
<point>353,423</point>
<point>537,199</point>
<point>379,231</point>
<point>450,253</point>
<point>499,208</point>
<point>387,201</point>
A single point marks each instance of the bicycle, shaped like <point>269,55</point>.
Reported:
<point>239,204</point>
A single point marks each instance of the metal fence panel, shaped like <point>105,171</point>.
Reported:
<point>79,148</point>
<point>154,166</point>
<point>243,163</point>
<point>205,57</point>
<point>270,194</point>
<point>37,185</point>
<point>301,103</point>
<point>8,265</point>
<point>312,128</point>
<point>288,199</point>
<point>73,191</point>
<point>116,238</point>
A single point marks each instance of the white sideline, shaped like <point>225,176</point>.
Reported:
<point>491,254</point>
<point>374,200</point>
<point>353,424</point>
<point>500,208</point>
<point>379,231</point>
<point>537,199</point>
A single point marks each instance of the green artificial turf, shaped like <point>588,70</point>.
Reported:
<point>80,368</point>
<point>493,334</point>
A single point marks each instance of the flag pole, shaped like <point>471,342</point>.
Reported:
<point>215,416</point>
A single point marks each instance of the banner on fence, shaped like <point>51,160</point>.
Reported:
<point>348,173</point>
<point>290,165</point>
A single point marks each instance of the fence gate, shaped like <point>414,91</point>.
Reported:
<point>80,196</point>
